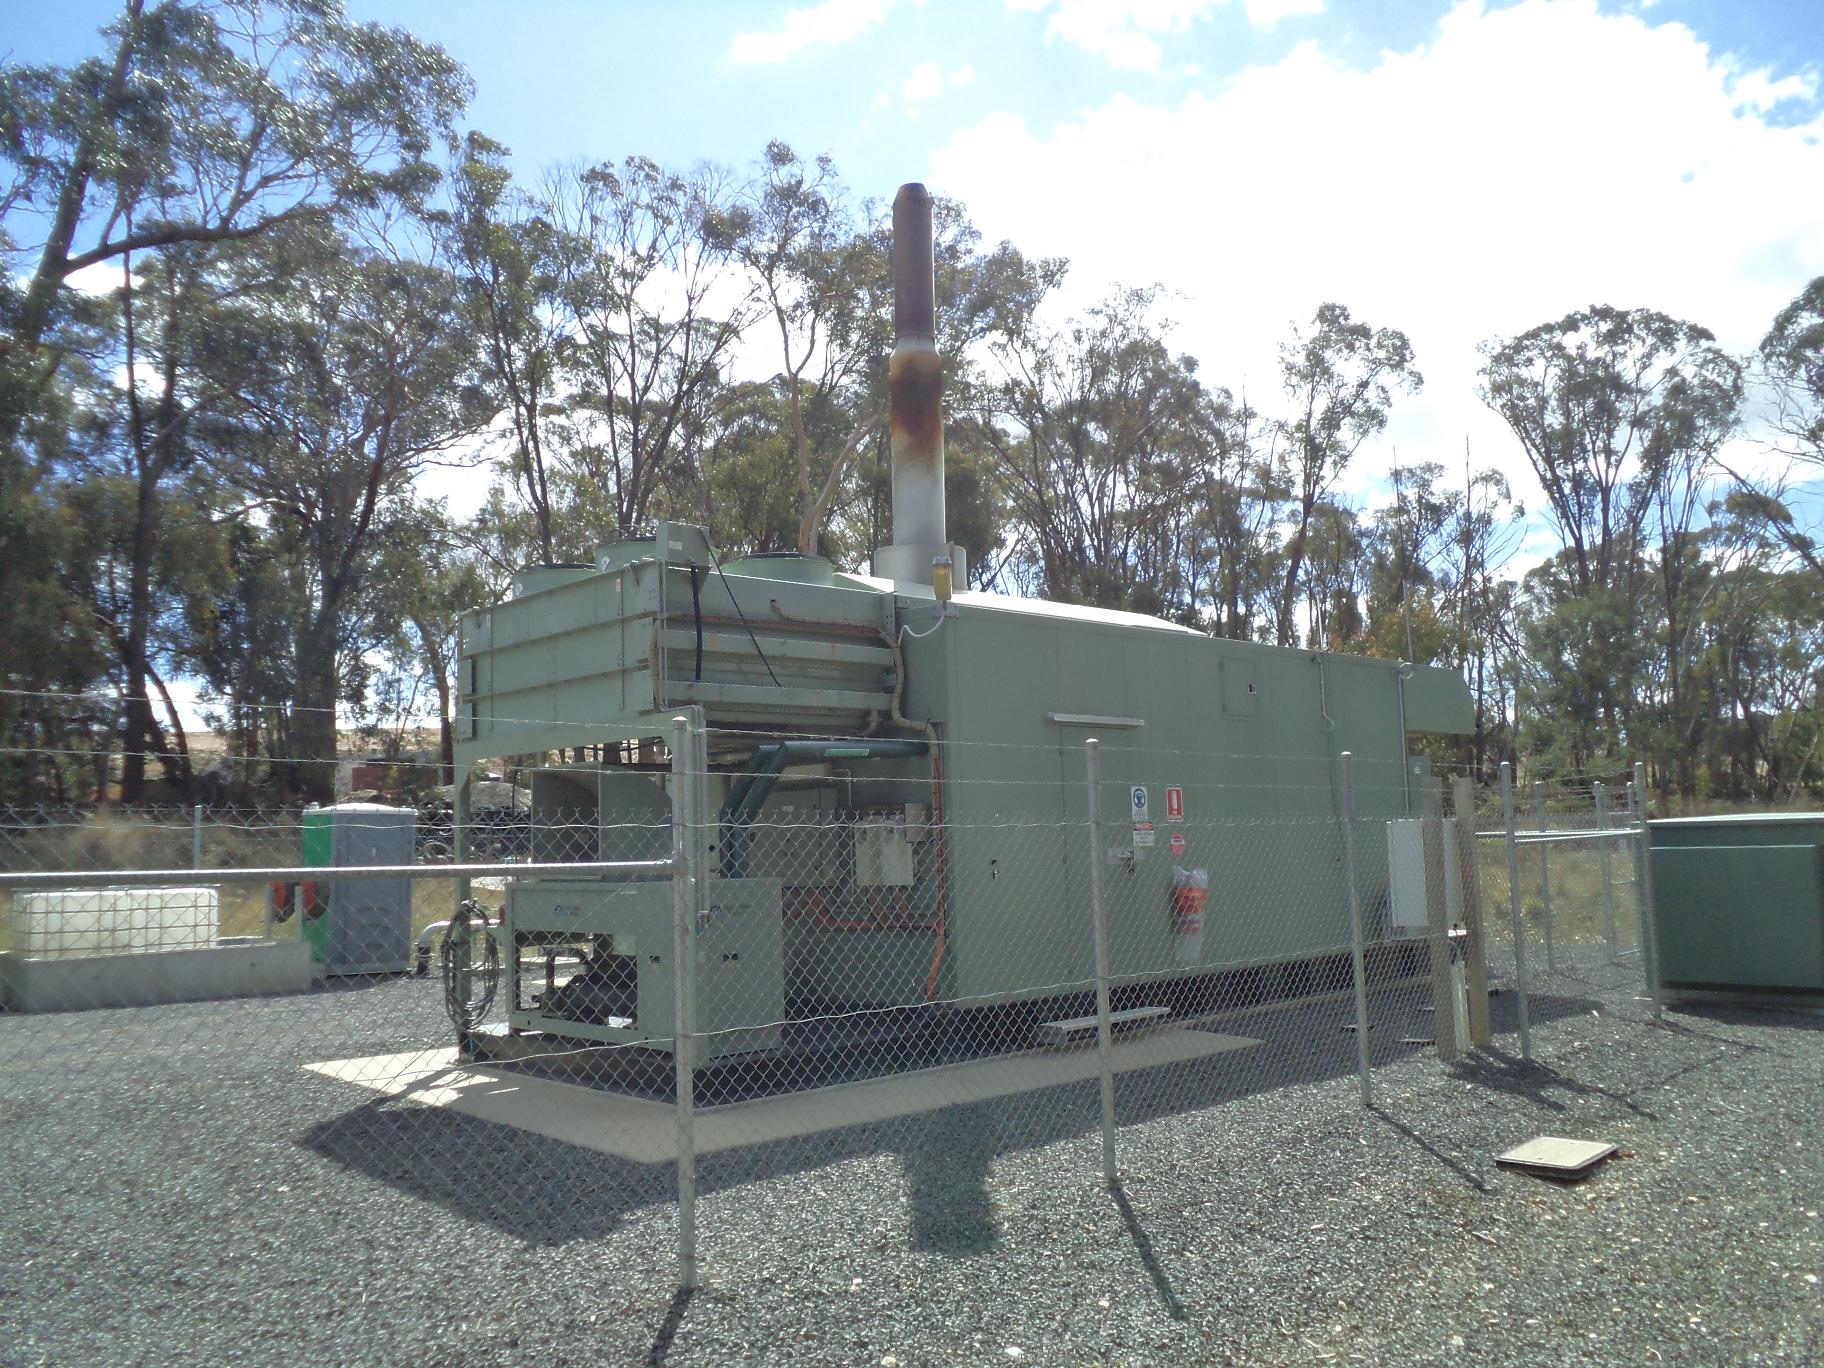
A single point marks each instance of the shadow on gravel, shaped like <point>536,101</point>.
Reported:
<point>668,1328</point>
<point>1529,1079</point>
<point>1143,1246</point>
<point>1784,1018</point>
<point>1468,1175</point>
<point>547,1193</point>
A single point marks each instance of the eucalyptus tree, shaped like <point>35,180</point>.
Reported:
<point>1792,358</point>
<point>798,239</point>
<point>1234,542</point>
<point>1621,413</point>
<point>1100,444</point>
<point>652,281</point>
<point>433,576</point>
<point>337,390</point>
<point>1791,365</point>
<point>1339,380</point>
<point>511,257</point>
<point>203,122</point>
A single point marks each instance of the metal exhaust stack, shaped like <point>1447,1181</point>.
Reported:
<point>915,381</point>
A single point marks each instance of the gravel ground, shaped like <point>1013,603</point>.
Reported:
<point>175,1189</point>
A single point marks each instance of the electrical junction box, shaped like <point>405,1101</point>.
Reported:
<point>363,926</point>
<point>883,855</point>
<point>1408,913</point>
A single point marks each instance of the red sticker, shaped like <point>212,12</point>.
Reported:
<point>1177,843</point>
<point>1174,805</point>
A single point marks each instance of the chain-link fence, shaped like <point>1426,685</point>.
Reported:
<point>716,964</point>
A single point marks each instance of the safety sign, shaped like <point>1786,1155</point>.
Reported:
<point>1174,804</point>
<point>1143,823</point>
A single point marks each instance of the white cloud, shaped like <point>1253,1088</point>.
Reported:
<point>925,82</point>
<point>1126,33</point>
<point>1263,14</point>
<point>1524,163</point>
<point>829,24</point>
<point>100,280</point>
<point>928,81</point>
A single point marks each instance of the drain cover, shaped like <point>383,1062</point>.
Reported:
<point>1552,1156</point>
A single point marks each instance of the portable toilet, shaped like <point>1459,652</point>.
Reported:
<point>360,926</point>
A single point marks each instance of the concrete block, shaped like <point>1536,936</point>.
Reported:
<point>234,967</point>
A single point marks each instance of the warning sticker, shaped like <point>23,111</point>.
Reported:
<point>1177,844</point>
<point>1143,822</point>
<point>1174,804</point>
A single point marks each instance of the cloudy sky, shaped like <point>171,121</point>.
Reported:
<point>1457,170</point>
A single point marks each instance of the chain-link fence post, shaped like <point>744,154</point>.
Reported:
<point>1643,892</point>
<point>1437,916</point>
<point>1098,920</point>
<point>683,904</point>
<point>1545,874</point>
<point>196,837</point>
<point>1605,872</point>
<point>1513,907</point>
<point>1358,964</point>
<point>1469,879</point>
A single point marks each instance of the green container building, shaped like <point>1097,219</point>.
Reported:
<point>902,791</point>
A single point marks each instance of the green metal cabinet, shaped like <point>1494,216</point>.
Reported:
<point>1738,905</point>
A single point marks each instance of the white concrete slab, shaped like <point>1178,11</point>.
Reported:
<point>645,1131</point>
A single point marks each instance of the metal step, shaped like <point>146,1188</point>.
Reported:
<point>1077,1028</point>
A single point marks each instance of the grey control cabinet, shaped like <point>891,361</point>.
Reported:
<point>360,926</point>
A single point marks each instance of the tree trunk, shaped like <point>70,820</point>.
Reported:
<point>313,722</point>
<point>138,729</point>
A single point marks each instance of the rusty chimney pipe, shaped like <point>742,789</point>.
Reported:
<point>915,381</point>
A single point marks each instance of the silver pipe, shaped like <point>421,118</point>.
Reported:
<point>90,878</point>
<point>1098,926</point>
<point>683,907</point>
<point>1643,893</point>
<point>1545,871</point>
<point>1513,907</point>
<point>1607,871</point>
<point>1358,963</point>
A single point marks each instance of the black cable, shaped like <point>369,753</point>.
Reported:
<point>696,613</point>
<point>465,1016</point>
<point>750,631</point>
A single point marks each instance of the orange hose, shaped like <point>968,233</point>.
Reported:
<point>807,898</point>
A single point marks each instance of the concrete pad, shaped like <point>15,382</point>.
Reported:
<point>645,1131</point>
<point>237,967</point>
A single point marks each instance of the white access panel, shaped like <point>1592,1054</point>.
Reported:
<point>883,855</point>
<point>1406,877</point>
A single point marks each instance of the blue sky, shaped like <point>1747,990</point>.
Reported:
<point>1456,169</point>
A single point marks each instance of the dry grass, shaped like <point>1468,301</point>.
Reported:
<point>109,840</point>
